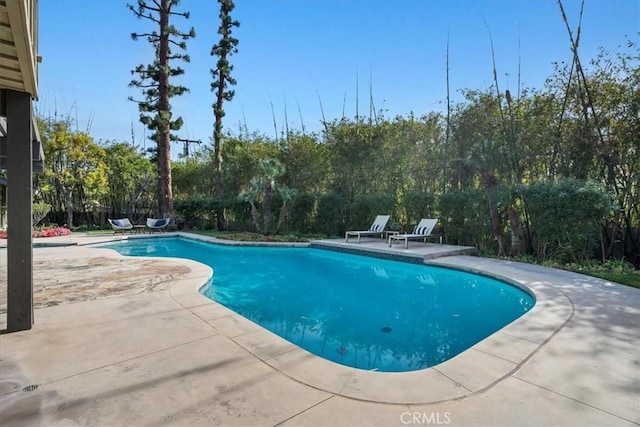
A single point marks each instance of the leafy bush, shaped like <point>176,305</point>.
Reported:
<point>39,212</point>
<point>330,214</point>
<point>464,218</point>
<point>258,237</point>
<point>565,218</point>
<point>197,213</point>
<point>238,215</point>
<point>418,205</point>
<point>301,212</point>
<point>366,207</point>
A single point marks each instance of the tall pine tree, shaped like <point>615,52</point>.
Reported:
<point>222,80</point>
<point>153,81</point>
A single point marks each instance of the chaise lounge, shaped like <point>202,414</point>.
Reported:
<point>120,225</point>
<point>376,229</point>
<point>422,231</point>
<point>159,225</point>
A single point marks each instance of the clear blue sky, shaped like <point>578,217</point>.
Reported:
<point>292,51</point>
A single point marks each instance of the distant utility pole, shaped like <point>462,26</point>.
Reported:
<point>186,144</point>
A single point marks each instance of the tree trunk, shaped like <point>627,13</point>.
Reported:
<point>217,147</point>
<point>284,212</point>
<point>68,205</point>
<point>217,134</point>
<point>267,209</point>
<point>495,224</point>
<point>256,217</point>
<point>489,182</point>
<point>516,232</point>
<point>165,193</point>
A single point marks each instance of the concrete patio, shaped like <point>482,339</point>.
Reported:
<point>130,341</point>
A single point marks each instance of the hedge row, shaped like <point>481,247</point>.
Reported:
<point>560,220</point>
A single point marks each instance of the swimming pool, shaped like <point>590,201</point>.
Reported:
<point>358,311</point>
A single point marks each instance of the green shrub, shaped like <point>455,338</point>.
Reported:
<point>464,218</point>
<point>197,212</point>
<point>565,218</point>
<point>418,205</point>
<point>330,214</point>
<point>618,266</point>
<point>238,215</point>
<point>39,212</point>
<point>366,207</point>
<point>301,212</point>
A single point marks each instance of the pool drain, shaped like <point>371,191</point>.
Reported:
<point>32,387</point>
<point>386,329</point>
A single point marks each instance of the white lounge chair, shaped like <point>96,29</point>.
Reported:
<point>376,229</point>
<point>121,225</point>
<point>422,231</point>
<point>157,224</point>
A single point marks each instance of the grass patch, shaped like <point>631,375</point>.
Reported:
<point>629,279</point>
<point>625,275</point>
<point>98,232</point>
<point>613,270</point>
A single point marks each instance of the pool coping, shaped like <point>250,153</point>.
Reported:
<point>475,370</point>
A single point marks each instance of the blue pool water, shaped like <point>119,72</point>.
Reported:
<point>358,311</point>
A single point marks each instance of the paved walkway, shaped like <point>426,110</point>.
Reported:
<point>130,341</point>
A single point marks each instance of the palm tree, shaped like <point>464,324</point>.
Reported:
<point>287,194</point>
<point>269,169</point>
<point>264,184</point>
<point>250,196</point>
